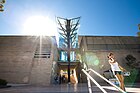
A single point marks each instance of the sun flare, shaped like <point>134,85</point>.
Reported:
<point>39,25</point>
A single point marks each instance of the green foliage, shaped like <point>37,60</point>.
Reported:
<point>132,78</point>
<point>131,61</point>
<point>133,68</point>
<point>139,26</point>
<point>130,58</point>
<point>3,82</point>
<point>138,33</point>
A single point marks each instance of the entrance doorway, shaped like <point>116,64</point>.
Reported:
<point>74,72</point>
<point>64,76</point>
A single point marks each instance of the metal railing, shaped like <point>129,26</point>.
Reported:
<point>88,75</point>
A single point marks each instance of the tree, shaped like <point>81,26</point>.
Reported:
<point>134,68</point>
<point>1,5</point>
<point>138,33</point>
<point>132,61</point>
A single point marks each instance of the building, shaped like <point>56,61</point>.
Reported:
<point>94,51</point>
<point>37,60</point>
<point>27,59</point>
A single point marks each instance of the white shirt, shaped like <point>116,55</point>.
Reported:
<point>114,66</point>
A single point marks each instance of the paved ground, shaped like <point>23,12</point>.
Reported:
<point>65,88</point>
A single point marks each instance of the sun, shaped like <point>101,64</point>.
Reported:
<point>39,26</point>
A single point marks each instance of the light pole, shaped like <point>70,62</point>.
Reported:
<point>68,31</point>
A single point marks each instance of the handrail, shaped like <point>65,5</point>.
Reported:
<point>94,81</point>
<point>89,85</point>
<point>107,80</point>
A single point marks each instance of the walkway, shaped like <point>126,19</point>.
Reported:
<point>65,88</point>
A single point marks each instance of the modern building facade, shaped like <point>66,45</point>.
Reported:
<point>27,59</point>
<point>94,51</point>
<point>37,60</point>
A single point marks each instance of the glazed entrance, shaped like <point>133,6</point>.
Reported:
<point>74,72</point>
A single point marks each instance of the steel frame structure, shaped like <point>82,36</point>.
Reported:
<point>68,28</point>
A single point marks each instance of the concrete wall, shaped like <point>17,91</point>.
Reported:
<point>42,68</point>
<point>32,60</point>
<point>20,61</point>
<point>94,51</point>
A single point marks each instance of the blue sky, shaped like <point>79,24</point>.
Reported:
<point>98,17</point>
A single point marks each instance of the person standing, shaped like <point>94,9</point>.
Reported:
<point>117,70</point>
<point>56,78</point>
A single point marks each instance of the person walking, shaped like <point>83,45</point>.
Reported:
<point>117,70</point>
